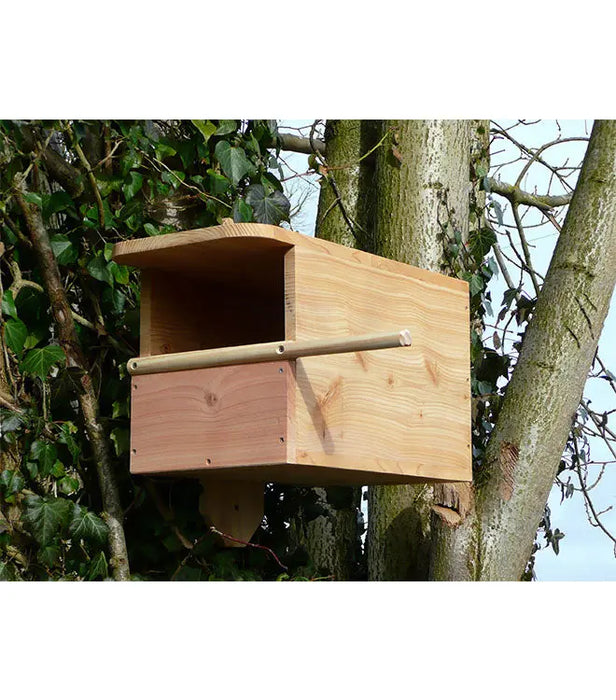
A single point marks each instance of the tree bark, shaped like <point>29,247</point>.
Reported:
<point>332,539</point>
<point>421,186</point>
<point>76,361</point>
<point>525,448</point>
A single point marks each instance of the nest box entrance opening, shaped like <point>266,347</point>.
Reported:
<point>230,294</point>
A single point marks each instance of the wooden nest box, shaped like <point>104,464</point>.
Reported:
<point>268,355</point>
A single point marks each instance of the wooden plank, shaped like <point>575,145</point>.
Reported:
<point>203,419</point>
<point>218,250</point>
<point>145,314</point>
<point>385,410</point>
<point>234,508</point>
<point>341,472</point>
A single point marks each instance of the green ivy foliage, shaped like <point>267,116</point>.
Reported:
<point>97,183</point>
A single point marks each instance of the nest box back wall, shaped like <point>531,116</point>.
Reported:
<point>381,416</point>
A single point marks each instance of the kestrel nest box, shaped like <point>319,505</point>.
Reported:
<point>267,355</point>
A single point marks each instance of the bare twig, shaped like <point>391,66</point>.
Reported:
<point>526,250</point>
<point>588,501</point>
<point>84,161</point>
<point>250,544</point>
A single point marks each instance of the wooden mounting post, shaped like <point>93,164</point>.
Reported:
<point>234,508</point>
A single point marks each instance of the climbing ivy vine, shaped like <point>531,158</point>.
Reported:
<point>94,183</point>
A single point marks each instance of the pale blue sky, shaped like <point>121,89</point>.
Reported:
<point>585,552</point>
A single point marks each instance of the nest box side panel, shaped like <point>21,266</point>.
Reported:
<point>205,420</point>
<point>402,412</point>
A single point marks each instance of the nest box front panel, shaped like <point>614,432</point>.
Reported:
<point>208,419</point>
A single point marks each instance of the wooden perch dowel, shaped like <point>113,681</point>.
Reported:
<point>266,352</point>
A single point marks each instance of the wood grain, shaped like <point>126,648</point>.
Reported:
<point>405,413</point>
<point>266,352</point>
<point>378,416</point>
<point>244,251</point>
<point>200,420</point>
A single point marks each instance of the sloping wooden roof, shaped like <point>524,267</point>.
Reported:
<point>240,248</point>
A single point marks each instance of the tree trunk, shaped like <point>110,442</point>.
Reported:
<point>332,538</point>
<point>525,448</point>
<point>421,186</point>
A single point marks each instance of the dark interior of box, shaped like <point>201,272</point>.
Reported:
<point>238,299</point>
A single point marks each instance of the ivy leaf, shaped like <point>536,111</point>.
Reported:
<point>481,241</point>
<point>121,440</point>
<point>268,208</point>
<point>33,198</point>
<point>46,517</point>
<point>98,567</point>
<point>15,334</point>
<point>66,438</point>
<point>226,126</point>
<point>49,555</point>
<point>99,269</point>
<point>233,161</point>
<point>68,485</point>
<point>56,202</point>
<point>271,182</point>
<point>217,183</point>
<point>11,481</point>
<point>484,388</point>
<point>120,408</point>
<point>8,304</point>
<point>115,298</point>
<point>163,150</point>
<point>151,230</point>
<point>132,185</point>
<point>493,266</point>
<point>6,574</point>
<point>45,454</point>
<point>475,283</point>
<point>206,128</point>
<point>88,526</point>
<point>120,272</point>
<point>9,422</point>
<point>66,253</point>
<point>58,469</point>
<point>40,360</point>
<point>556,537</point>
<point>242,212</point>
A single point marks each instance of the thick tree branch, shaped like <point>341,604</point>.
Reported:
<point>87,397</point>
<point>527,443</point>
<point>301,144</point>
<point>62,172</point>
<point>515,195</point>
